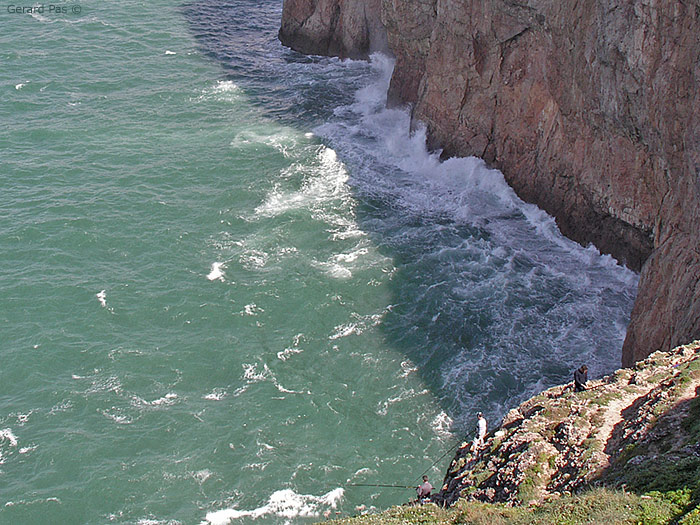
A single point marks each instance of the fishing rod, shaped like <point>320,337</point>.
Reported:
<point>376,485</point>
<point>419,477</point>
<point>446,452</point>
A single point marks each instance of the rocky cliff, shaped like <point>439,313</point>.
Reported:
<point>590,108</point>
<point>344,28</point>
<point>638,427</point>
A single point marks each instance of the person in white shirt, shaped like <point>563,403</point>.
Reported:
<point>480,433</point>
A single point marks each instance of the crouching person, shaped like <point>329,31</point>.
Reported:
<point>423,491</point>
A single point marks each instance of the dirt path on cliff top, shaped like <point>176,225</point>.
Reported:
<point>612,415</point>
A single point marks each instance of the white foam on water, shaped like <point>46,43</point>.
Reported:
<point>325,184</point>
<point>252,259</point>
<point>265,446</point>
<point>64,406</point>
<point>316,187</point>
<point>284,504</point>
<point>257,466</point>
<point>153,521</point>
<point>411,393</point>
<point>407,368</point>
<point>167,399</point>
<point>287,353</point>
<point>22,418</point>
<point>33,502</point>
<point>442,425</point>
<point>334,270</point>
<point>252,309</point>
<point>239,391</point>
<point>363,473</point>
<point>252,375</point>
<point>6,434</point>
<point>294,349</point>
<point>360,325</point>
<point>216,395</point>
<point>222,91</point>
<point>40,18</point>
<point>104,384</point>
<point>102,297</point>
<point>285,142</point>
<point>117,417</point>
<point>202,475</point>
<point>225,86</point>
<point>287,391</point>
<point>342,265</point>
<point>20,85</point>
<point>217,272</point>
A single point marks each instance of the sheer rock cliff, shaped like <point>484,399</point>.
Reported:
<point>590,108</point>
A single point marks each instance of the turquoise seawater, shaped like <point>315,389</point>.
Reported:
<point>233,285</point>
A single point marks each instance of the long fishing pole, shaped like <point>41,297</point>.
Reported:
<point>446,452</point>
<point>376,485</point>
<point>419,477</point>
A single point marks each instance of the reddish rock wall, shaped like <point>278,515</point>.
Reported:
<point>590,108</point>
<point>344,28</point>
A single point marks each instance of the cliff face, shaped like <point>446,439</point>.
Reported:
<point>591,109</point>
<point>344,28</point>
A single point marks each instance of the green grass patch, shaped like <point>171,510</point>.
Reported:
<point>595,506</point>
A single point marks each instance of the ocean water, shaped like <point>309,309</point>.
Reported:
<point>233,285</point>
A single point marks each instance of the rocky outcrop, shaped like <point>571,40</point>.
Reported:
<point>344,28</point>
<point>626,429</point>
<point>591,109</point>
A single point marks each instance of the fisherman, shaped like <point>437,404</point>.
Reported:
<point>580,378</point>
<point>478,442</point>
<point>424,490</point>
